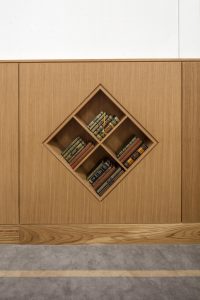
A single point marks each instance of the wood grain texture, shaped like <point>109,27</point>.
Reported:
<point>191,142</point>
<point>109,234</point>
<point>9,234</point>
<point>151,92</point>
<point>100,234</point>
<point>8,143</point>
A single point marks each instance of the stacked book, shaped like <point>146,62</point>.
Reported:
<point>76,151</point>
<point>104,175</point>
<point>102,124</point>
<point>131,150</point>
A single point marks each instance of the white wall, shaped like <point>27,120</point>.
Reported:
<point>45,29</point>
<point>189,28</point>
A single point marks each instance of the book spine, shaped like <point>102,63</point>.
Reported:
<point>111,125</point>
<point>80,141</point>
<point>99,124</point>
<point>70,145</point>
<point>79,154</point>
<point>116,177</point>
<point>125,147</point>
<point>99,172</point>
<point>75,150</point>
<point>131,159</point>
<point>109,180</point>
<point>135,155</point>
<point>104,177</point>
<point>94,171</point>
<point>102,126</point>
<point>84,154</point>
<point>130,150</point>
<point>95,119</point>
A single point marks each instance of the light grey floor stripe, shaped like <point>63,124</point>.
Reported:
<point>92,257</point>
<point>100,289</point>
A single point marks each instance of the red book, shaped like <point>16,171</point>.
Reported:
<point>130,150</point>
<point>81,155</point>
<point>104,177</point>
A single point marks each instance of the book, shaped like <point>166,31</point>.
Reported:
<point>113,181</point>
<point>104,123</point>
<point>100,124</point>
<point>130,150</point>
<point>95,125</point>
<point>100,171</point>
<point>128,143</point>
<point>135,155</point>
<point>70,145</point>
<point>104,177</point>
<point>82,154</point>
<point>109,181</point>
<point>92,172</point>
<point>73,147</point>
<point>111,125</point>
<point>76,157</point>
<point>107,128</point>
<point>95,118</point>
<point>75,151</point>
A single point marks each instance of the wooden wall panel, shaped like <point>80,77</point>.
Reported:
<point>191,142</point>
<point>151,92</point>
<point>8,143</point>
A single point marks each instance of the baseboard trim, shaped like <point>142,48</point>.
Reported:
<point>100,234</point>
<point>9,234</point>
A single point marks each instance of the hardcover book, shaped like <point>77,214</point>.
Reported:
<point>81,155</point>
<point>130,150</point>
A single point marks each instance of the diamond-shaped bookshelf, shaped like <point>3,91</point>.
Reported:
<point>76,125</point>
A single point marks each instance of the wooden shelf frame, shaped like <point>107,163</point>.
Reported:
<point>76,125</point>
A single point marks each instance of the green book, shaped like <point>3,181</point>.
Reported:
<point>101,128</point>
<point>100,122</point>
<point>75,151</point>
<point>95,119</point>
<point>73,147</point>
<point>70,145</point>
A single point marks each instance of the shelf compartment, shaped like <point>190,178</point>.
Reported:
<point>91,163</point>
<point>68,133</point>
<point>100,101</point>
<point>122,134</point>
<point>71,130</point>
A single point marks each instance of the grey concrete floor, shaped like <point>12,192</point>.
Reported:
<point>100,257</point>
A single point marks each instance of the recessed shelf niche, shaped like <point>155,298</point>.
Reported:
<point>76,125</point>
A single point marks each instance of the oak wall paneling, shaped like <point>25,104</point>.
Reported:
<point>50,92</point>
<point>9,143</point>
<point>191,142</point>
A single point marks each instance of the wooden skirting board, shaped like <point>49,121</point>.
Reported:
<point>100,234</point>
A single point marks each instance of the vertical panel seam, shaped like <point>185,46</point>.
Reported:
<point>181,142</point>
<point>178,28</point>
<point>18,143</point>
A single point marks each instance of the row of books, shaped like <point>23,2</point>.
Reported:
<point>131,150</point>
<point>104,175</point>
<point>76,151</point>
<point>102,124</point>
